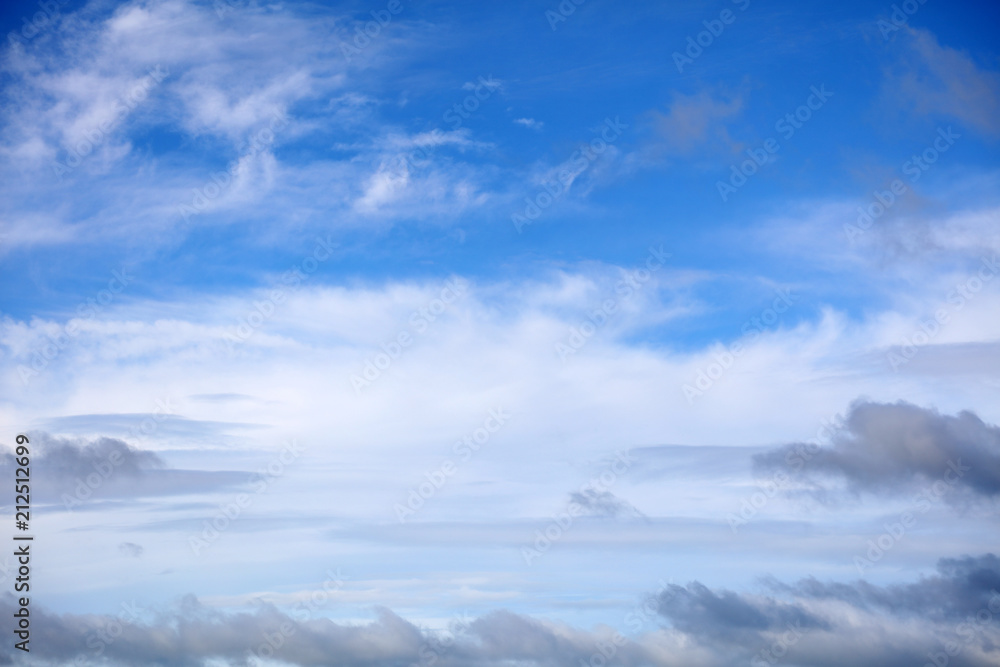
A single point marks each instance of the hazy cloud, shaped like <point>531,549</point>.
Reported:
<point>936,79</point>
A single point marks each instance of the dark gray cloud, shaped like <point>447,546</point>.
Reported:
<point>699,611</point>
<point>961,588</point>
<point>884,448</point>
<point>809,623</point>
<point>76,471</point>
<point>850,623</point>
<point>603,504</point>
<point>66,458</point>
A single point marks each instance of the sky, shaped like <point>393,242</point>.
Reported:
<point>532,333</point>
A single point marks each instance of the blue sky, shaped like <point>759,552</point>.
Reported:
<point>563,233</point>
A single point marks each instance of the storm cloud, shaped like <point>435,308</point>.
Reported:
<point>894,448</point>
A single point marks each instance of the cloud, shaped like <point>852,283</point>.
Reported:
<point>936,79</point>
<point>61,459</point>
<point>870,625</point>
<point>884,448</point>
<point>131,549</point>
<point>529,123</point>
<point>696,610</point>
<point>603,504</point>
<point>694,122</point>
<point>74,471</point>
<point>74,124</point>
<point>815,624</point>
<point>961,588</point>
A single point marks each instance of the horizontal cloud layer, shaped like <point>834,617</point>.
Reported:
<point>809,624</point>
